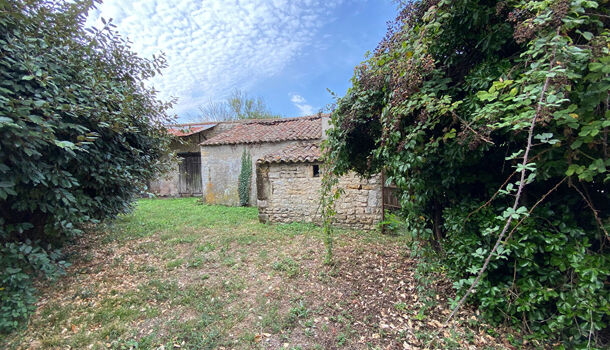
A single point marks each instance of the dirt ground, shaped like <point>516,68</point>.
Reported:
<point>215,278</point>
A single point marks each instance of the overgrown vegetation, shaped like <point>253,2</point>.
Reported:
<point>245,178</point>
<point>215,277</point>
<point>492,118</point>
<point>79,137</point>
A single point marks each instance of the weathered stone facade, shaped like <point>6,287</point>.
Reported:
<point>221,165</point>
<point>221,155</point>
<point>168,184</point>
<point>290,192</point>
<point>286,173</point>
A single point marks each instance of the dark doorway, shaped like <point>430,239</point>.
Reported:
<point>189,183</point>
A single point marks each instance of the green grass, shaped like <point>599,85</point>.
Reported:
<point>287,265</point>
<point>176,272</point>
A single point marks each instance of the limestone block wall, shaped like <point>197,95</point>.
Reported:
<point>360,205</point>
<point>220,167</point>
<point>166,185</point>
<point>289,192</point>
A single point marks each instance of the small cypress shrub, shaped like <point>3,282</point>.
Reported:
<point>245,178</point>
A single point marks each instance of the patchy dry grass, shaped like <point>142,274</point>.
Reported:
<point>178,274</point>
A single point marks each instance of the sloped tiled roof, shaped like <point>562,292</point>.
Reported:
<point>297,153</point>
<point>189,129</point>
<point>270,130</point>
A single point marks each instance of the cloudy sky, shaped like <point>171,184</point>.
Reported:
<point>289,52</point>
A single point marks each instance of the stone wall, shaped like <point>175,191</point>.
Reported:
<point>166,185</point>
<point>221,165</point>
<point>289,192</point>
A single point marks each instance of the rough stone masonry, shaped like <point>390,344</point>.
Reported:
<point>290,192</point>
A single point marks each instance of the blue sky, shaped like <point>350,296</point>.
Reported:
<point>287,52</point>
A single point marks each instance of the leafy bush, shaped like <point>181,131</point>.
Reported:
<point>80,135</point>
<point>245,179</point>
<point>446,105</point>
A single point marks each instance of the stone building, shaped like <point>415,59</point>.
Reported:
<point>289,184</point>
<point>221,154</point>
<point>286,180</point>
<point>185,177</point>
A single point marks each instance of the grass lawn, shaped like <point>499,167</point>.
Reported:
<point>179,274</point>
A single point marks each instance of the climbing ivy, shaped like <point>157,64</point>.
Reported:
<point>492,119</point>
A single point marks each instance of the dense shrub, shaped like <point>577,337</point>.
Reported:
<point>79,137</point>
<point>445,104</point>
<point>245,179</point>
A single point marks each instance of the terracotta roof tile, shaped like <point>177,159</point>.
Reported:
<point>270,130</point>
<point>297,153</point>
<point>189,129</point>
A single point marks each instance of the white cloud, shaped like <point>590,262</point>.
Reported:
<point>297,99</point>
<point>215,46</point>
<point>301,103</point>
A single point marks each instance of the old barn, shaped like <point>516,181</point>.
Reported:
<point>285,168</point>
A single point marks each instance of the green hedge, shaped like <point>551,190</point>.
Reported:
<point>444,105</point>
<point>79,137</point>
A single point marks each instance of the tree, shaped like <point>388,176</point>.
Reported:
<point>80,136</point>
<point>237,106</point>
<point>492,118</point>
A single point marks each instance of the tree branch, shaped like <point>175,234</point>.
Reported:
<point>501,187</point>
<point>534,207</point>
<point>590,205</point>
<point>472,130</point>
<point>530,136</point>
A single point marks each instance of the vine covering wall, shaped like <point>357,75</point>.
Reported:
<point>492,118</point>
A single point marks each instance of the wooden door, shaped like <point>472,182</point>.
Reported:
<point>189,181</point>
<point>389,199</point>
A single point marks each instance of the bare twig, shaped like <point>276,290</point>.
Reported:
<point>490,199</point>
<point>597,14</point>
<point>606,150</point>
<point>530,136</point>
<point>590,205</point>
<point>534,207</point>
<point>590,331</point>
<point>471,129</point>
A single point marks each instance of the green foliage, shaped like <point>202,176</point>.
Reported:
<point>394,224</point>
<point>444,106</point>
<point>80,136</point>
<point>329,193</point>
<point>238,106</point>
<point>17,293</point>
<point>288,266</point>
<point>245,179</point>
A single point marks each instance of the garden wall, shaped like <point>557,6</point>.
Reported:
<point>290,192</point>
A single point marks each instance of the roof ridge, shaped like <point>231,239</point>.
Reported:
<point>185,125</point>
<point>252,121</point>
<point>283,120</point>
<point>275,130</point>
